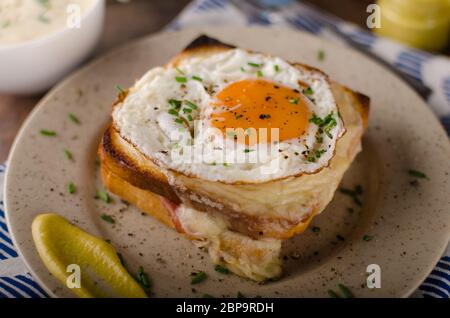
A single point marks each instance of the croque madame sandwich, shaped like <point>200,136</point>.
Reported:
<point>237,150</point>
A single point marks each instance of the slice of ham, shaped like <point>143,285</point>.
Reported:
<point>172,209</point>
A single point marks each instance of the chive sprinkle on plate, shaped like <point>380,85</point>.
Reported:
<point>345,291</point>
<point>143,279</point>
<point>221,269</point>
<point>332,294</point>
<point>103,195</point>
<point>107,218</point>
<point>198,277</point>
<point>48,133</point>
<point>119,89</point>
<point>417,174</point>
<point>68,154</point>
<point>74,118</point>
<point>71,188</point>
<point>321,55</point>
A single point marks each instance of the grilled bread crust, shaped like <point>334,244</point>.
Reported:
<point>136,178</point>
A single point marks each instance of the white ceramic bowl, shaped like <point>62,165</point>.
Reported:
<point>34,66</point>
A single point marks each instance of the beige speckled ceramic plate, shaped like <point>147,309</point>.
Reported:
<point>409,224</point>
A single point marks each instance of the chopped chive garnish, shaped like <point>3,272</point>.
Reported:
<point>190,117</point>
<point>238,116</point>
<point>179,71</point>
<point>242,69</point>
<point>308,91</point>
<point>187,110</point>
<point>49,133</point>
<point>259,73</point>
<point>367,238</point>
<point>120,90</point>
<point>198,277</point>
<point>276,68</point>
<point>332,294</point>
<point>248,150</point>
<point>417,174</point>
<point>107,218</point>
<point>175,103</point>
<point>179,121</point>
<point>316,120</point>
<point>221,269</point>
<point>240,295</point>
<point>207,296</point>
<point>103,195</point>
<point>326,124</point>
<point>321,55</point>
<point>254,64</point>
<point>191,104</point>
<point>294,101</point>
<point>143,279</point>
<point>68,154</point>
<point>345,291</point>
<point>197,78</point>
<point>181,79</point>
<point>173,112</point>
<point>319,153</point>
<point>71,188</point>
<point>74,118</point>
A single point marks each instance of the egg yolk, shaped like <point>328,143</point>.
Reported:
<point>255,103</point>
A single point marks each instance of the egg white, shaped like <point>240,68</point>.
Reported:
<point>143,119</point>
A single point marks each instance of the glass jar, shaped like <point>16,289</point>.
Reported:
<point>424,24</point>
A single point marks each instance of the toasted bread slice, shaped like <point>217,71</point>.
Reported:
<point>242,225</point>
<point>256,210</point>
<point>127,163</point>
<point>257,260</point>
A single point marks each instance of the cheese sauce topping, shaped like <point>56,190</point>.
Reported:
<point>25,20</point>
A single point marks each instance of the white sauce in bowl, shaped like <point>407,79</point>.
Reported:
<point>25,20</point>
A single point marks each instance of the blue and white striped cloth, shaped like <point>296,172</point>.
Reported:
<point>428,69</point>
<point>15,280</point>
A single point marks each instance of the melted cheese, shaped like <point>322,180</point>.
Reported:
<point>255,259</point>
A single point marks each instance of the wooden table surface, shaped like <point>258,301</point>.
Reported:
<point>147,16</point>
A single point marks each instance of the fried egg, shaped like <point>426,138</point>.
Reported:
<point>232,116</point>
